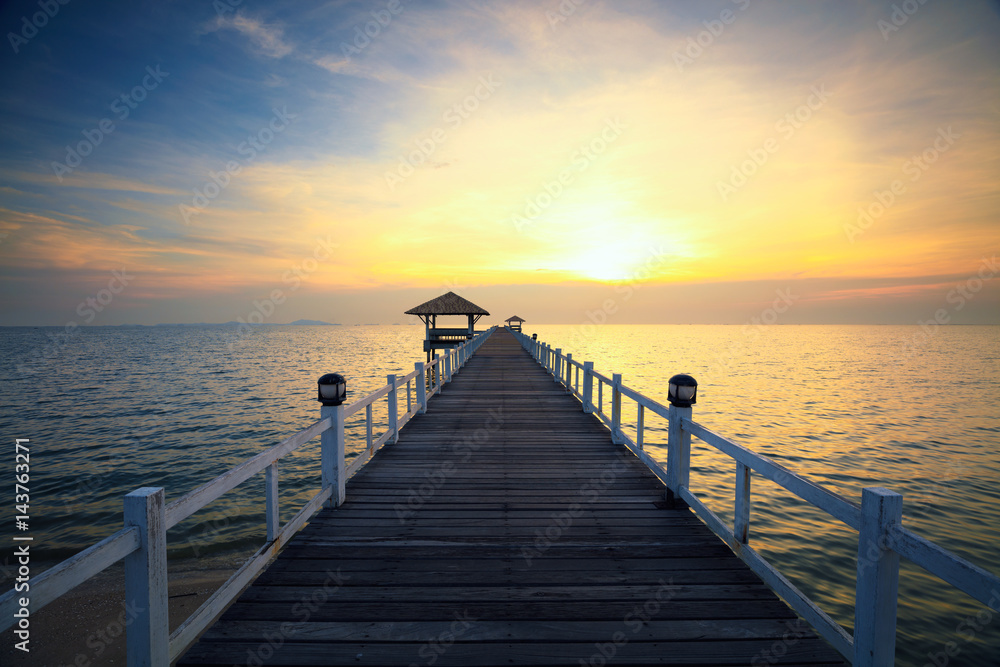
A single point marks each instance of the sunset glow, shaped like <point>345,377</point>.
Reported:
<point>745,145</point>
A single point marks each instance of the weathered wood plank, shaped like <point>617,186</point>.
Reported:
<point>527,579</point>
<point>804,651</point>
<point>604,610</point>
<point>509,631</point>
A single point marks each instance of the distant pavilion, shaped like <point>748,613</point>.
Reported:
<point>514,323</point>
<point>446,304</point>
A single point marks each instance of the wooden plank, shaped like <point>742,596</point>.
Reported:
<point>528,579</point>
<point>434,567</point>
<point>509,631</point>
<point>330,610</point>
<point>803,651</point>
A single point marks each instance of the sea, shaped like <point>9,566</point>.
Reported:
<point>106,410</point>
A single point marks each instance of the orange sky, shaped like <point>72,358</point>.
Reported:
<point>480,147</point>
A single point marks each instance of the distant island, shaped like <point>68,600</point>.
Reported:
<point>236,324</point>
<point>231,323</point>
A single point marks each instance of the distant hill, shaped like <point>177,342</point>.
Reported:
<point>254,324</point>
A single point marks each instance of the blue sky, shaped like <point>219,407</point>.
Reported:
<point>335,114</point>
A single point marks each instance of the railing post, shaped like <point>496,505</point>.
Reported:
<point>421,385</point>
<point>588,386</point>
<point>878,579</point>
<point>148,634</point>
<point>448,370</point>
<point>678,450</point>
<point>271,513</point>
<point>640,425</point>
<point>557,365</point>
<point>368,427</point>
<point>393,409</point>
<point>569,373</point>
<point>332,455</point>
<point>741,513</point>
<point>616,409</point>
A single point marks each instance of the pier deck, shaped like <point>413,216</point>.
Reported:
<point>505,528</point>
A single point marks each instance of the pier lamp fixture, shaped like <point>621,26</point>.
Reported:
<point>332,389</point>
<point>534,336</point>
<point>682,391</point>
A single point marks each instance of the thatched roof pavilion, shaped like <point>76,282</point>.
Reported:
<point>515,322</point>
<point>446,304</point>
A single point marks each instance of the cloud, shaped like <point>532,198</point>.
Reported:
<point>342,65</point>
<point>268,40</point>
<point>93,181</point>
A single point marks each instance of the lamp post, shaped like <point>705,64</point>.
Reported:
<point>331,392</point>
<point>682,392</point>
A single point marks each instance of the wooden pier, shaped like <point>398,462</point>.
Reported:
<point>504,527</point>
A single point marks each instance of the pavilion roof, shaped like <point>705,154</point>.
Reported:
<point>447,304</point>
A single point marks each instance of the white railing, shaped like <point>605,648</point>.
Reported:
<point>882,539</point>
<point>142,542</point>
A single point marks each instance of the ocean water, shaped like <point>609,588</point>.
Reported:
<point>108,410</point>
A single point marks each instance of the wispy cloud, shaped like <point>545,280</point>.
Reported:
<point>268,40</point>
<point>94,181</point>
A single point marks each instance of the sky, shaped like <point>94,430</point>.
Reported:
<point>726,161</point>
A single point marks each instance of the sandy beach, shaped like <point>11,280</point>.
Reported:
<point>86,627</point>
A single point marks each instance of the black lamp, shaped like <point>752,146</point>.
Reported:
<point>682,391</point>
<point>332,389</point>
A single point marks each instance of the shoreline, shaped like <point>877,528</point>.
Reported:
<point>86,626</point>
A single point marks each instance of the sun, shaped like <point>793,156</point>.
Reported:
<point>606,265</point>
